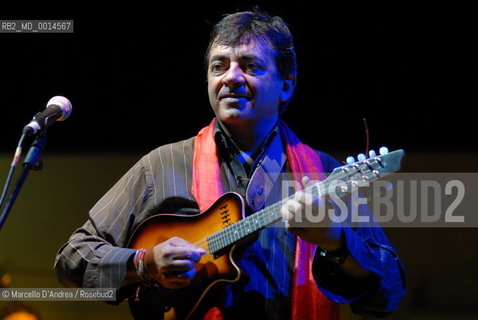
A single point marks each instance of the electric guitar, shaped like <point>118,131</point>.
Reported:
<point>219,229</point>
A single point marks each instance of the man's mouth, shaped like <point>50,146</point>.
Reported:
<point>233,96</point>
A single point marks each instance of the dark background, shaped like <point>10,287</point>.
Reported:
<point>409,70</point>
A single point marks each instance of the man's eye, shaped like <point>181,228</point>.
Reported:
<point>217,67</point>
<point>254,68</point>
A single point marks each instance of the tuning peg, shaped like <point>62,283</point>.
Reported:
<point>372,154</point>
<point>383,151</point>
<point>350,160</point>
<point>361,157</point>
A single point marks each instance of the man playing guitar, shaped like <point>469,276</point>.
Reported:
<point>173,266</point>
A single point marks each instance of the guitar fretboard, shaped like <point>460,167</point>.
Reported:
<point>340,183</point>
<point>251,224</point>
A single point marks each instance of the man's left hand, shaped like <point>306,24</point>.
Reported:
<point>297,214</point>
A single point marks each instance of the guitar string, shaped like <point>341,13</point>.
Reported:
<point>221,235</point>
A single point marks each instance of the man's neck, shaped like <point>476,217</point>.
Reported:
<point>249,136</point>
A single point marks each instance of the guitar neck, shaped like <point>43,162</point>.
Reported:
<point>253,223</point>
<point>341,182</point>
<point>243,228</point>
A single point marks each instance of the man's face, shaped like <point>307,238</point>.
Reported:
<point>244,84</point>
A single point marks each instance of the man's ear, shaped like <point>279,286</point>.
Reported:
<point>288,86</point>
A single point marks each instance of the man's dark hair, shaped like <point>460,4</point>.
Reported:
<point>241,27</point>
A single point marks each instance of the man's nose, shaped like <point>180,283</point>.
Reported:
<point>234,77</point>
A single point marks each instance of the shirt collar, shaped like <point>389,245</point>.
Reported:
<point>225,141</point>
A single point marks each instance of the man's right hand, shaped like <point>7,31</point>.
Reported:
<point>172,263</point>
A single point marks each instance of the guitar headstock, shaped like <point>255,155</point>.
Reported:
<point>359,173</point>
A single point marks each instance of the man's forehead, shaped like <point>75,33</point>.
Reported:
<point>248,50</point>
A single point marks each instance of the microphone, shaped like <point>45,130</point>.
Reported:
<point>58,108</point>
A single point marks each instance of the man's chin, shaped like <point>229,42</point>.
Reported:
<point>232,113</point>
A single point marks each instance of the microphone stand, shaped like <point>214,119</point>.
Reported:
<point>32,161</point>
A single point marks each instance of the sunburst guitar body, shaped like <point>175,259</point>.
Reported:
<point>213,269</point>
